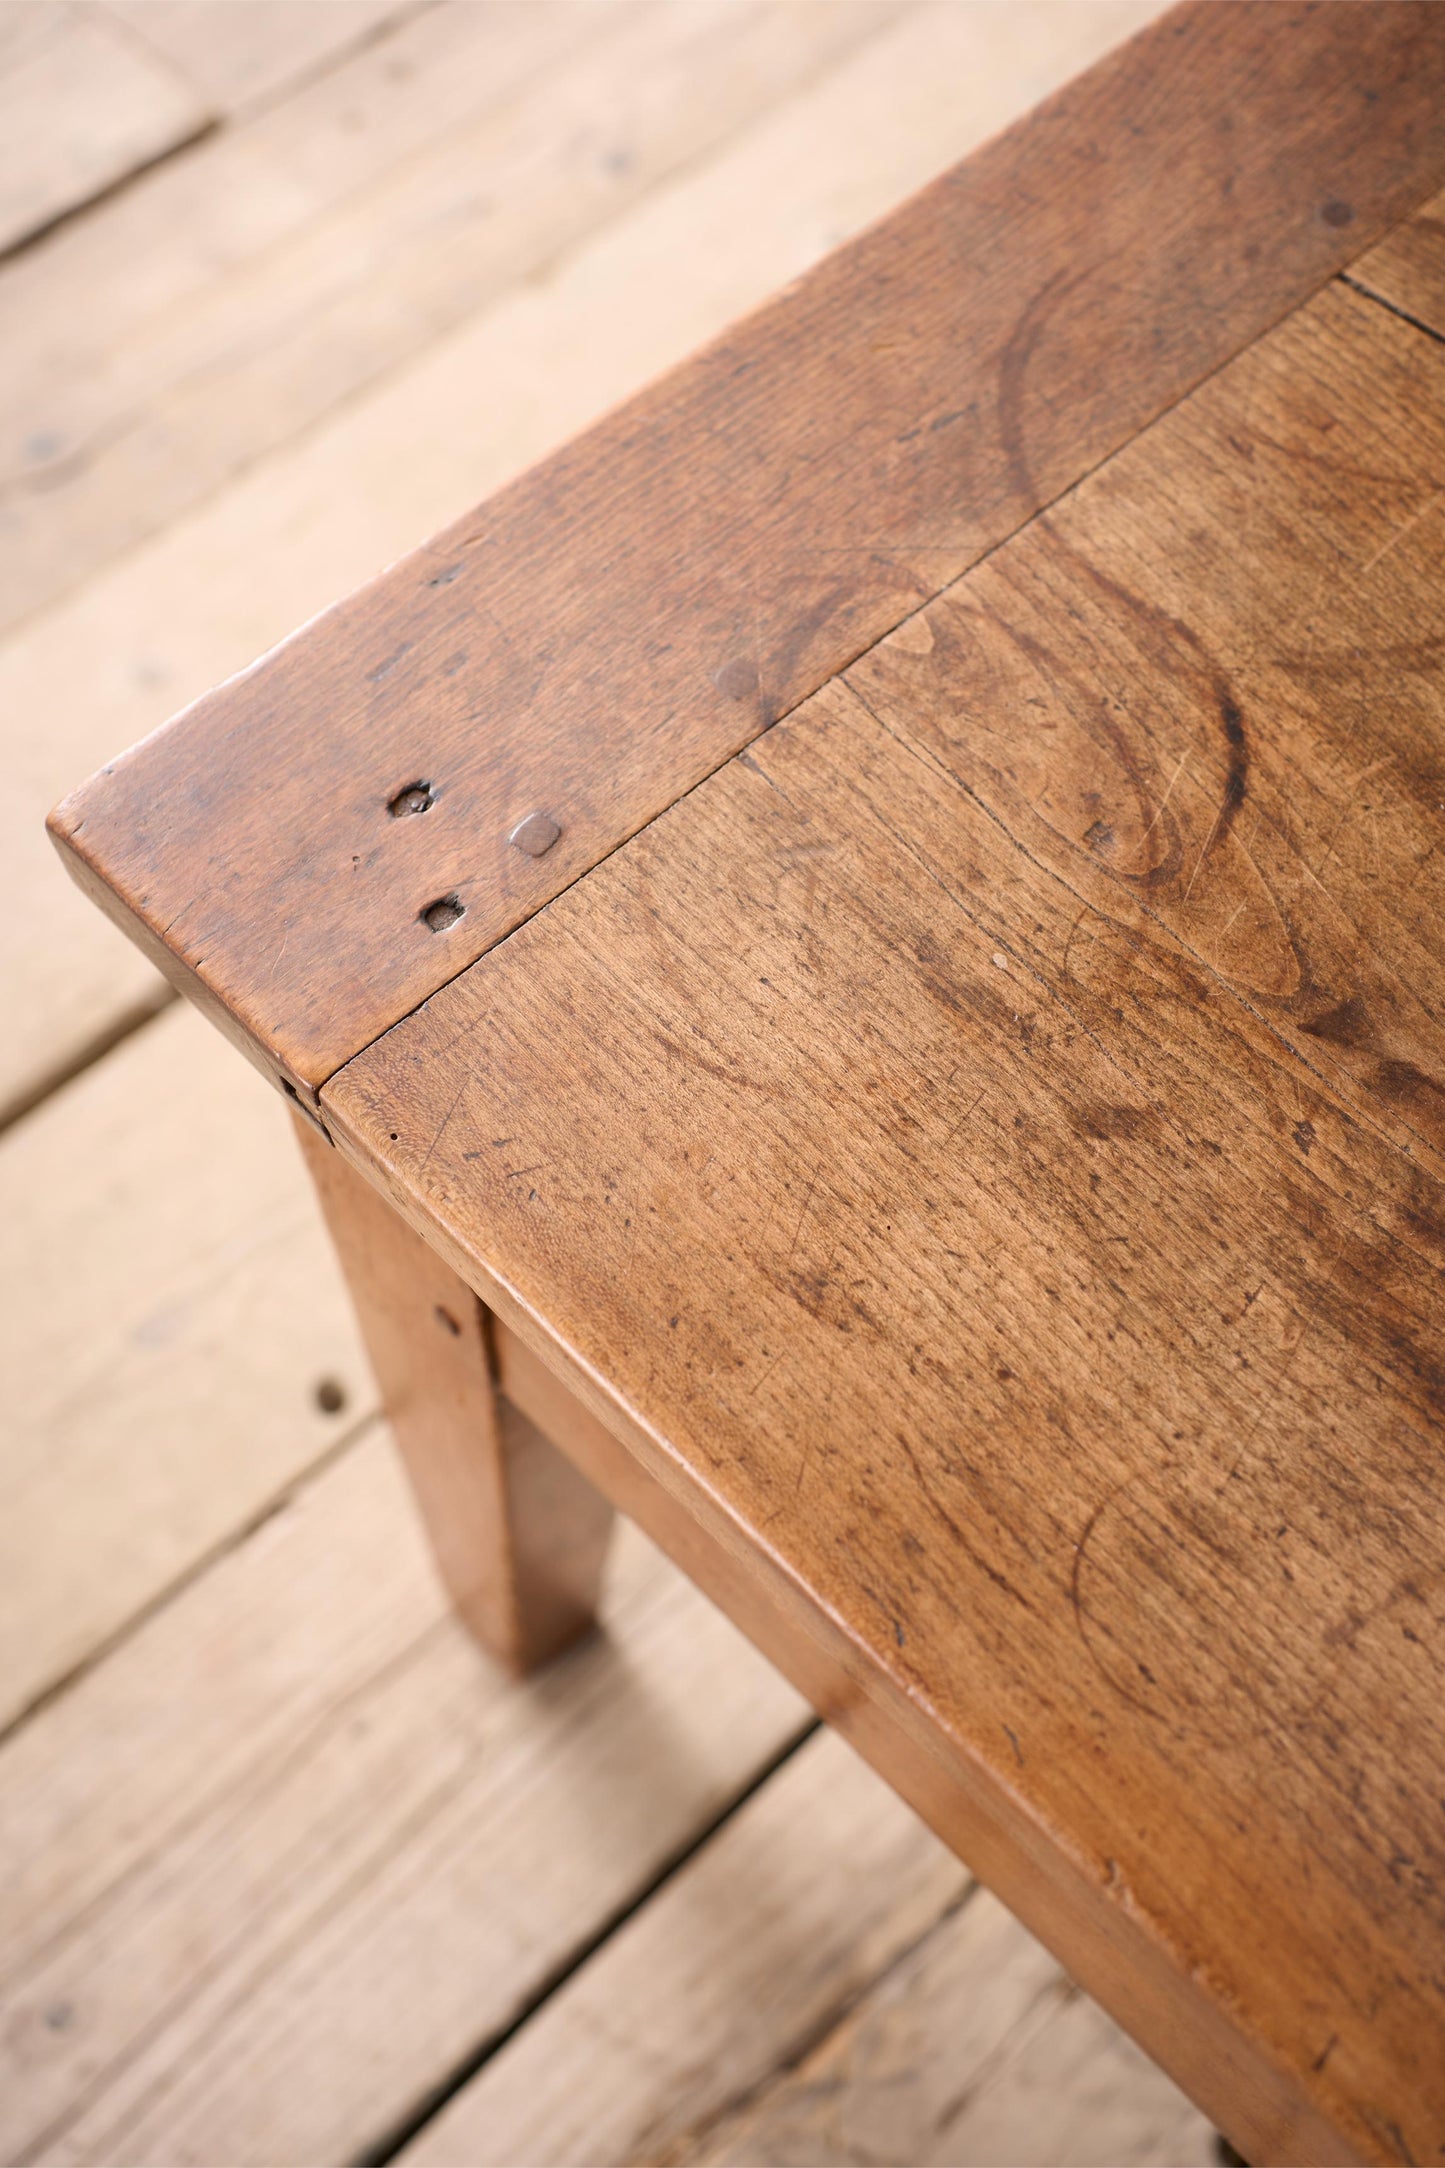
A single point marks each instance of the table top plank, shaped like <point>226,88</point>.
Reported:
<point>984,1141</point>
<point>1227,650</point>
<point>604,633</point>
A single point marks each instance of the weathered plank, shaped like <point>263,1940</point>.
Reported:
<point>976,2052</point>
<point>765,513</point>
<point>171,1309</point>
<point>158,246</point>
<point>993,1186</point>
<point>1407,268</point>
<point>540,123</point>
<point>298,1830</point>
<point>195,604</point>
<point>80,107</point>
<point>735,1968</point>
<point>235,53</point>
<point>29,25</point>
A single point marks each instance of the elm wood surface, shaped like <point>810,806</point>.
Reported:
<point>1407,269</point>
<point>1226,652</point>
<point>979,1151</point>
<point>520,1537</point>
<point>605,632</point>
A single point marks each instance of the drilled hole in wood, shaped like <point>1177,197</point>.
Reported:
<point>330,1397</point>
<point>443,913</point>
<point>413,798</point>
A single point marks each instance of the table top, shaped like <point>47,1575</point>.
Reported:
<point>991,1133</point>
<point>600,636</point>
<point>962,1093</point>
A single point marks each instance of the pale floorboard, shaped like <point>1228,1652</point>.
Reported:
<point>822,1983</point>
<point>297,1849</point>
<point>171,1307</point>
<point>499,136</point>
<point>974,2052</point>
<point>235,53</point>
<point>753,1951</point>
<point>82,105</point>
<point>289,1859</point>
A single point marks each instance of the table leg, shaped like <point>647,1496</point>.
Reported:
<point>519,1534</point>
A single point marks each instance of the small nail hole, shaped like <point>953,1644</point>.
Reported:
<point>330,1398</point>
<point>413,798</point>
<point>443,913</point>
<point>447,1322</point>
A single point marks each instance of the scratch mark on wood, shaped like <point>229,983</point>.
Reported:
<point>1400,532</point>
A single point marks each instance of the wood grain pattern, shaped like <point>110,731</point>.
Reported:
<point>171,1313</point>
<point>995,1197</point>
<point>197,602</point>
<point>1407,268</point>
<point>765,513</point>
<point>237,52</point>
<point>292,1852</point>
<point>749,1954</point>
<point>383,207</point>
<point>975,2050</point>
<point>1252,602</point>
<point>821,1983</point>
<point>520,1537</point>
<point>81,106</point>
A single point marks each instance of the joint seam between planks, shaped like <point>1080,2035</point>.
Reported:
<point>198,1567</point>
<point>737,2106</point>
<point>1392,308</point>
<point>925,602</point>
<point>401,2134</point>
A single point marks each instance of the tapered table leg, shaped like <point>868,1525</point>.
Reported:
<point>519,1535</point>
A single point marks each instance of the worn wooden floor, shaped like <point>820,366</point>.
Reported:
<point>289,1875</point>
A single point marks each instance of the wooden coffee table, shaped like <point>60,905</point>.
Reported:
<point>858,958</point>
